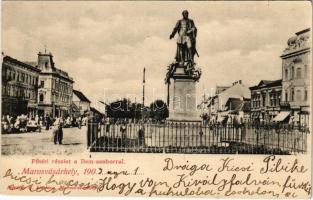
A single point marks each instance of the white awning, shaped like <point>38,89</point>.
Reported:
<point>281,116</point>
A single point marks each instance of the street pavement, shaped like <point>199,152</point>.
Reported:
<point>41,143</point>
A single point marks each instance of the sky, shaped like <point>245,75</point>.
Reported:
<point>104,46</point>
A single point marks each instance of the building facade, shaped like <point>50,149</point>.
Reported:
<point>19,87</point>
<point>239,108</point>
<point>81,102</point>
<point>55,88</point>
<point>216,105</point>
<point>296,72</point>
<point>265,100</point>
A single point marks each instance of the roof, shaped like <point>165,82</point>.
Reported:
<point>211,100</point>
<point>92,109</point>
<point>233,103</point>
<point>275,83</point>
<point>220,89</point>
<point>303,31</point>
<point>62,73</point>
<point>32,63</point>
<point>267,83</point>
<point>236,104</point>
<point>24,64</point>
<point>81,96</point>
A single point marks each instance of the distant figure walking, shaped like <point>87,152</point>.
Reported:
<point>47,122</point>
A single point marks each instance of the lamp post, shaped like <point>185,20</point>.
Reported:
<point>143,91</point>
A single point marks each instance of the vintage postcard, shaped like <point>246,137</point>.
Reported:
<point>169,99</point>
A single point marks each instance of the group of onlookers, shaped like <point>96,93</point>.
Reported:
<point>23,123</point>
<point>14,124</point>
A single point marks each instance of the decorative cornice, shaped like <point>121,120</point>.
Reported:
<point>295,52</point>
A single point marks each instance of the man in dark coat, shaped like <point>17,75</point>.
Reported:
<point>48,122</point>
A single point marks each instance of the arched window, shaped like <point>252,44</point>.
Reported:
<point>41,97</point>
<point>286,74</point>
<point>299,75</point>
<point>293,72</point>
<point>286,96</point>
<point>292,94</point>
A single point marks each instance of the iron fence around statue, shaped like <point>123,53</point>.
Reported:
<point>197,138</point>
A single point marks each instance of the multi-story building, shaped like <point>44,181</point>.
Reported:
<point>19,87</point>
<point>216,105</point>
<point>265,100</point>
<point>296,72</point>
<point>81,102</point>
<point>55,89</point>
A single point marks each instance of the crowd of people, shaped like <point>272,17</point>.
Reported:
<point>23,123</point>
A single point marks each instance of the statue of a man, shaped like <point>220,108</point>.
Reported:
<point>186,41</point>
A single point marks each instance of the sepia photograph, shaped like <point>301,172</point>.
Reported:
<point>156,80</point>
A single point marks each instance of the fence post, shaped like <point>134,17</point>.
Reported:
<point>89,132</point>
<point>201,134</point>
<point>282,130</point>
<point>92,131</point>
<point>258,128</point>
<point>243,132</point>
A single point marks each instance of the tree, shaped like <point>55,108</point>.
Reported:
<point>124,109</point>
<point>158,110</point>
<point>118,109</point>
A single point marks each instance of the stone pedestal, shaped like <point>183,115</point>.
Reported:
<point>182,96</point>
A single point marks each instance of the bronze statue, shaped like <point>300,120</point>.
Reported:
<point>186,40</point>
<point>186,50</point>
